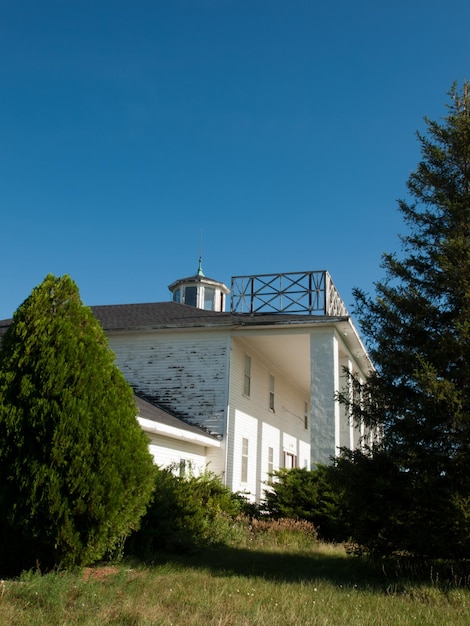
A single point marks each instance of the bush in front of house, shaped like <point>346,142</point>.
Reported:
<point>282,533</point>
<point>311,495</point>
<point>186,513</point>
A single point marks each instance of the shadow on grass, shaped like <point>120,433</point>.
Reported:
<point>394,574</point>
<point>283,567</point>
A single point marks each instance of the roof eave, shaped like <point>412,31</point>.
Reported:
<point>156,428</point>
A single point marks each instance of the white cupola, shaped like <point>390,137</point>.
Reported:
<point>200,291</point>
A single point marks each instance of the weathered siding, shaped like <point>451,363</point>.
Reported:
<point>184,372</point>
<point>198,374</point>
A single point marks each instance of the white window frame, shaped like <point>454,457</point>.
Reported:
<point>270,460</point>
<point>244,466</point>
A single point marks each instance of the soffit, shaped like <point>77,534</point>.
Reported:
<point>289,354</point>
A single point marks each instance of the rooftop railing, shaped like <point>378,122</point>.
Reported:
<point>310,293</point>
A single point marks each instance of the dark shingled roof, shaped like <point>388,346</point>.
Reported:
<point>3,326</point>
<point>152,412</point>
<point>175,315</point>
<point>149,315</point>
<point>155,315</point>
<point>115,317</point>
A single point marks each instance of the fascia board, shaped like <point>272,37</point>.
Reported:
<point>156,428</point>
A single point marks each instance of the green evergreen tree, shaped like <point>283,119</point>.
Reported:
<point>75,470</point>
<point>414,495</point>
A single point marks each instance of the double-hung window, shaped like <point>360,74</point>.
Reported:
<point>271,392</point>
<point>270,460</point>
<point>247,376</point>
<point>244,472</point>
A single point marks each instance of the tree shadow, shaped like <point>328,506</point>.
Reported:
<point>382,575</point>
<point>340,570</point>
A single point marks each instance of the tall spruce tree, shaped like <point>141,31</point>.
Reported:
<point>75,470</point>
<point>413,495</point>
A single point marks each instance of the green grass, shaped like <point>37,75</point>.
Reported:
<point>246,585</point>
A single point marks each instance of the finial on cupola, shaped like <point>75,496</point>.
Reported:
<point>199,269</point>
<point>200,291</point>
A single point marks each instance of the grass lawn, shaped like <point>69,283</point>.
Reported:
<point>237,586</point>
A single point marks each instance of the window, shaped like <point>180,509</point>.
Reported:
<point>290,460</point>
<point>209,297</point>
<point>247,376</point>
<point>270,460</point>
<point>306,416</point>
<point>190,296</point>
<point>271,392</point>
<point>182,468</point>
<point>244,476</point>
<point>177,295</point>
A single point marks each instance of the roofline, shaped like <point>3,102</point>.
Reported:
<point>232,321</point>
<point>157,428</point>
<point>199,278</point>
<point>226,321</point>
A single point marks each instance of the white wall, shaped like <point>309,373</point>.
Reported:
<point>167,451</point>
<point>250,417</point>
<point>271,437</point>
<point>245,426</point>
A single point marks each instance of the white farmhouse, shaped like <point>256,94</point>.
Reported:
<point>243,392</point>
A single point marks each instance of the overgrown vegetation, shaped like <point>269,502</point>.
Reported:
<point>75,470</point>
<point>311,495</point>
<point>257,582</point>
<point>186,513</point>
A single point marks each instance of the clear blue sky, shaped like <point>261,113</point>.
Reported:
<point>283,131</point>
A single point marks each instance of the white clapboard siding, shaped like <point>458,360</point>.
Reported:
<point>245,427</point>
<point>281,429</point>
<point>304,454</point>
<point>169,452</point>
<point>271,438</point>
<point>185,373</point>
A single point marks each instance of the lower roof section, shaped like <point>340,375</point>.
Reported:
<point>155,420</point>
